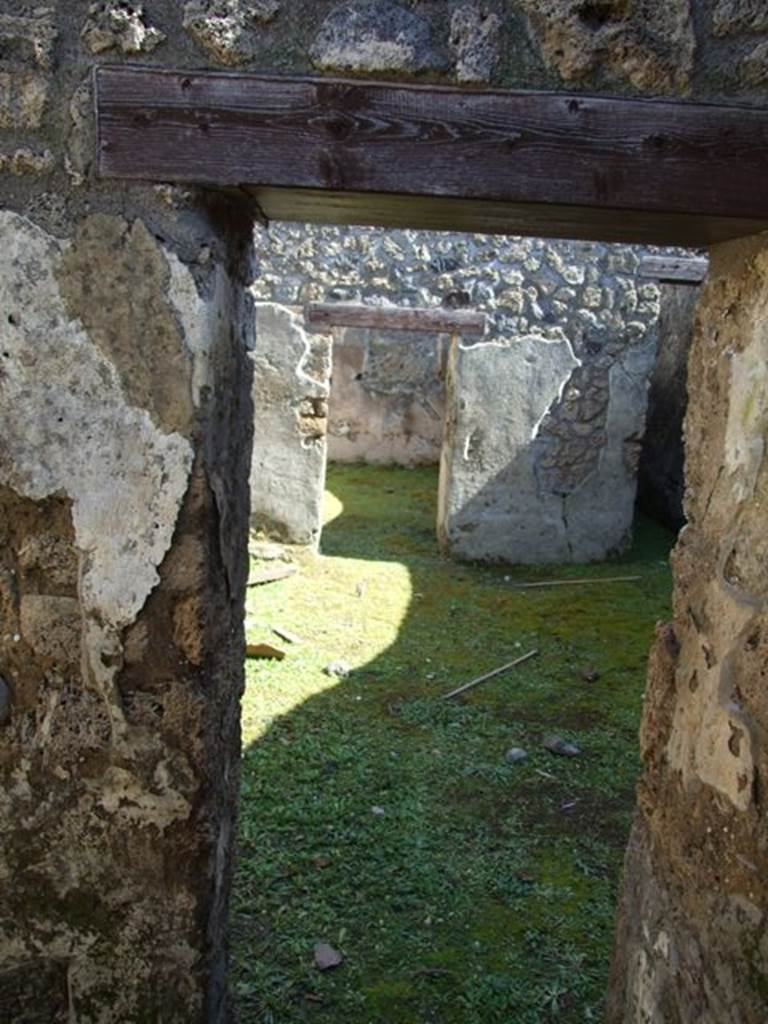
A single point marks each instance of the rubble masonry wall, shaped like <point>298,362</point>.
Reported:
<point>124,455</point>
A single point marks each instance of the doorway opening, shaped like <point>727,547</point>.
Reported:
<point>534,404</point>
<point>330,150</point>
<point>403,855</point>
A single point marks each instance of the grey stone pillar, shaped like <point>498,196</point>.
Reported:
<point>291,382</point>
<point>512,449</point>
<point>543,426</point>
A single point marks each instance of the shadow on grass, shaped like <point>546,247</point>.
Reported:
<point>387,822</point>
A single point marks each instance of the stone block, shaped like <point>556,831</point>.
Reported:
<point>29,38</point>
<point>120,755</point>
<point>650,46</point>
<point>694,898</point>
<point>754,67</point>
<point>23,95</point>
<point>733,17</point>
<point>27,162</point>
<point>490,507</point>
<point>476,41</point>
<point>375,35</point>
<point>114,25</point>
<point>226,29</point>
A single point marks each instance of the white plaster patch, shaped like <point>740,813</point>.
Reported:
<point>498,393</point>
<point>556,362</point>
<point>197,321</point>
<point>68,429</point>
<point>747,413</point>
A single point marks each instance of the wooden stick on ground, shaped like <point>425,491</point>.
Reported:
<point>565,583</point>
<point>490,675</point>
<point>287,635</point>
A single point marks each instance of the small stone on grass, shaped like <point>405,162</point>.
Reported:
<point>337,668</point>
<point>515,755</point>
<point>327,957</point>
<point>557,745</point>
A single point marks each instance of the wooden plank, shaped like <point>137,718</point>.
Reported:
<point>287,635</point>
<point>264,651</point>
<point>674,269</point>
<point>396,318</point>
<point>580,154</point>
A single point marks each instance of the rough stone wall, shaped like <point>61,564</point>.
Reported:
<point>692,940</point>
<point>708,49</point>
<point>121,640</point>
<point>120,581</point>
<point>660,483</point>
<point>125,424</point>
<point>388,399</point>
<point>291,374</point>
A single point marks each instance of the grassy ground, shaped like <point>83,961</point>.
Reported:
<point>485,891</point>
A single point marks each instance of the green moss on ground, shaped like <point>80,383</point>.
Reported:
<point>485,892</point>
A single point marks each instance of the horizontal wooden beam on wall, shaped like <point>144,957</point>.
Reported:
<point>674,269</point>
<point>396,318</point>
<point>531,163</point>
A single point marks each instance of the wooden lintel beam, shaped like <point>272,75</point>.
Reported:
<point>541,163</point>
<point>396,318</point>
<point>674,269</point>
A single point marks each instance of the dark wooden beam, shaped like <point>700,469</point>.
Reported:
<point>534,163</point>
<point>674,269</point>
<point>396,318</point>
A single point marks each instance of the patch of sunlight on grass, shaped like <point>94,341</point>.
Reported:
<point>344,609</point>
<point>332,507</point>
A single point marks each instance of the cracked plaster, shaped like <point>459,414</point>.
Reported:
<point>65,400</point>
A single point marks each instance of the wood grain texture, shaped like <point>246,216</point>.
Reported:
<point>674,269</point>
<point>396,318</point>
<point>578,157</point>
